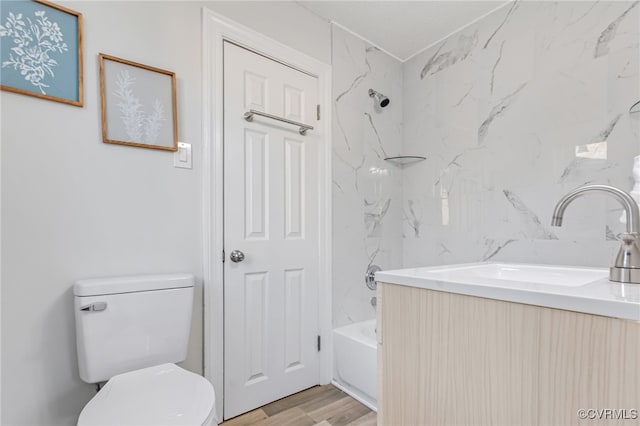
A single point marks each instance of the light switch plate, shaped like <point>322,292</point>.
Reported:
<point>182,157</point>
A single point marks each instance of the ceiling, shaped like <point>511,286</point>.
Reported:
<point>402,28</point>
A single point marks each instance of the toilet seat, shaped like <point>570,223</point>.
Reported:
<point>161,395</point>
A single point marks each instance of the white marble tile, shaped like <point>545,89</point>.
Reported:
<point>513,112</point>
<point>367,193</point>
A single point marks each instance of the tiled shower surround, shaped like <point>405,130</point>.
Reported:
<point>512,112</point>
<point>367,190</point>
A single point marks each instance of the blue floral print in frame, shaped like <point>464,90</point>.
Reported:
<point>41,50</point>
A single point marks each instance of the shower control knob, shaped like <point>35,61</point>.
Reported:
<point>236,256</point>
<point>370,276</point>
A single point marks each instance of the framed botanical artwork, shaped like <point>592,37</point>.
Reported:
<point>41,50</point>
<point>138,104</point>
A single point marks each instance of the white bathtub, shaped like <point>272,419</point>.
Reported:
<point>355,360</point>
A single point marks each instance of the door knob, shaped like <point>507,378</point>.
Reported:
<point>236,256</point>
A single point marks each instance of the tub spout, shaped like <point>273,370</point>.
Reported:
<point>626,267</point>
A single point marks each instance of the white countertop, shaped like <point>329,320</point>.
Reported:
<point>599,296</point>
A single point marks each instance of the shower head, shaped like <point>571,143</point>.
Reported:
<point>381,100</point>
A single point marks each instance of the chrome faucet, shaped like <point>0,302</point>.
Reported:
<point>626,268</point>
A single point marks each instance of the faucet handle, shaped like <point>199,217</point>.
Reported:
<point>626,268</point>
<point>629,253</point>
<point>628,237</point>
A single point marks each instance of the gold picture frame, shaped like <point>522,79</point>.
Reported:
<point>134,99</point>
<point>41,51</point>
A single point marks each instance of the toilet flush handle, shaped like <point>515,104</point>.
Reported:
<point>94,307</point>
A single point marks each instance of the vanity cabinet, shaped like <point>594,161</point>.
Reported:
<point>453,359</point>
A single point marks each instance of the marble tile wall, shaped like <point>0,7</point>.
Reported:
<point>513,112</point>
<point>367,190</point>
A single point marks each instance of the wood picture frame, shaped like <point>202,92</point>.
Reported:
<point>41,51</point>
<point>134,100</point>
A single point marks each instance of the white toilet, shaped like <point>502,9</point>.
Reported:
<point>130,331</point>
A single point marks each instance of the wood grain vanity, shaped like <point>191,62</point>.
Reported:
<point>458,359</point>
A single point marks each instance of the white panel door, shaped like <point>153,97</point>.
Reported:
<point>271,216</point>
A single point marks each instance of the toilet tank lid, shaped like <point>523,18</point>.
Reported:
<point>130,284</point>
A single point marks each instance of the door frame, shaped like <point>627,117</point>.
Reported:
<point>215,30</point>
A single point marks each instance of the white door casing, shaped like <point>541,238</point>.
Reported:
<point>271,203</point>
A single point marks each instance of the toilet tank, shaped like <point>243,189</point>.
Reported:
<point>127,323</point>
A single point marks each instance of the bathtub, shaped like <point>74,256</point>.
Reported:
<point>355,360</point>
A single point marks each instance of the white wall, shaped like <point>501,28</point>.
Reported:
<point>285,21</point>
<point>367,191</point>
<point>73,207</point>
<point>505,109</point>
<point>0,260</point>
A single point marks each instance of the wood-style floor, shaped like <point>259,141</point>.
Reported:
<point>319,405</point>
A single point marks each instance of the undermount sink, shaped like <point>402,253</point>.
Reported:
<point>574,288</point>
<point>535,274</point>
